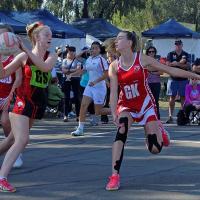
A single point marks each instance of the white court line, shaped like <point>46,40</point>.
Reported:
<point>177,141</point>
<point>186,141</point>
<point>68,138</point>
<point>88,135</point>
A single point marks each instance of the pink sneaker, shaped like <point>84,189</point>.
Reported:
<point>166,138</point>
<point>114,182</point>
<point>165,135</point>
<point>5,186</point>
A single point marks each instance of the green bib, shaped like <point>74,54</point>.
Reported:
<point>39,79</point>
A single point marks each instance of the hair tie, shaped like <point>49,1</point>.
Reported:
<point>40,24</point>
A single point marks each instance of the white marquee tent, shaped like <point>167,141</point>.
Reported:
<point>164,35</point>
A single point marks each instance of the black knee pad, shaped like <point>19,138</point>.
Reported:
<point>152,140</point>
<point>122,136</point>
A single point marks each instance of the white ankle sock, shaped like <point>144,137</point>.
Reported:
<point>81,125</point>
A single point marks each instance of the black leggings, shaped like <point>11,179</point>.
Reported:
<point>104,118</point>
<point>73,85</point>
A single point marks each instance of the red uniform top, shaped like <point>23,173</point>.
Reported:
<point>135,95</point>
<point>31,99</point>
<point>6,83</point>
<point>26,89</point>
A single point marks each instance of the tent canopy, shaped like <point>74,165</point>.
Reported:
<point>17,26</point>
<point>98,28</point>
<point>59,28</point>
<point>170,29</point>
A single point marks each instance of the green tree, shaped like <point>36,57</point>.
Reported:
<point>63,9</point>
<point>136,19</point>
<point>85,13</point>
<point>20,4</point>
<point>182,10</point>
<point>106,9</point>
<point>129,14</point>
<point>6,4</point>
<point>77,10</point>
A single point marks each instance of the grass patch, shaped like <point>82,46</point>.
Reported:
<point>165,104</point>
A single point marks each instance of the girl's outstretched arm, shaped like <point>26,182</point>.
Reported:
<point>151,62</point>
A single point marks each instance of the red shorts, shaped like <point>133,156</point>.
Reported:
<point>33,107</point>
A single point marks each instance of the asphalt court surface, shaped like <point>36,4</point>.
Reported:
<point>58,166</point>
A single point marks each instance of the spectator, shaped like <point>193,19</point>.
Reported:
<point>83,56</point>
<point>111,56</point>
<point>196,66</point>
<point>55,95</point>
<point>66,48</point>
<point>192,97</point>
<point>71,81</point>
<point>58,65</point>
<point>154,79</point>
<point>8,86</point>
<point>95,90</point>
<point>176,85</point>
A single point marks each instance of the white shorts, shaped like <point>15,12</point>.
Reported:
<point>143,118</point>
<point>97,94</point>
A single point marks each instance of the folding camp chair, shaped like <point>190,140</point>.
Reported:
<point>195,117</point>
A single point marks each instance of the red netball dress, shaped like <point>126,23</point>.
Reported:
<point>6,83</point>
<point>135,95</point>
<point>31,97</point>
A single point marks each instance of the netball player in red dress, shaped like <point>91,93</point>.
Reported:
<point>31,95</point>
<point>8,86</point>
<point>135,103</point>
<point>7,89</point>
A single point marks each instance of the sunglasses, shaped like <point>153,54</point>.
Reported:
<point>151,51</point>
<point>178,44</point>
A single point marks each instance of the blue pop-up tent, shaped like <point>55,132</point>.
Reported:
<point>164,35</point>
<point>170,29</point>
<point>98,28</point>
<point>63,34</point>
<point>17,26</point>
<point>59,28</point>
